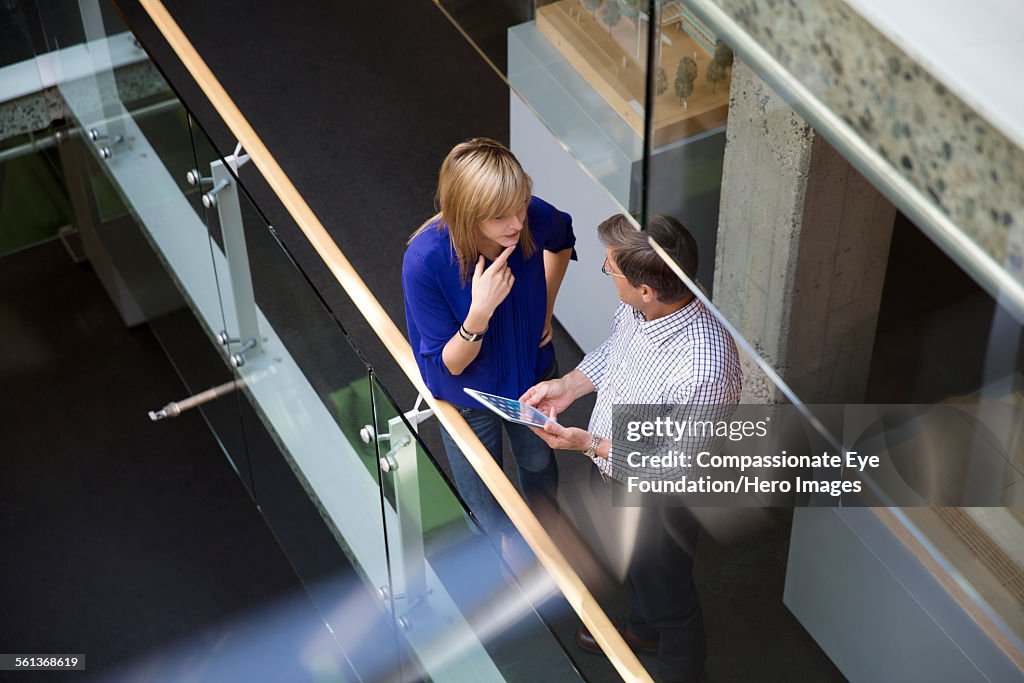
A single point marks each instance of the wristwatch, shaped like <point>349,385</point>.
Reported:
<point>470,336</point>
<point>591,451</point>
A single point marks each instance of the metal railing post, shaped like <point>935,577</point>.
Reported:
<point>224,197</point>
<point>409,573</point>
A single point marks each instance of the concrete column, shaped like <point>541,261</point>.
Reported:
<point>803,242</point>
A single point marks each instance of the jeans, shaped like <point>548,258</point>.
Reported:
<point>538,472</point>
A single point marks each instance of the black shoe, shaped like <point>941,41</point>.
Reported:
<point>637,644</point>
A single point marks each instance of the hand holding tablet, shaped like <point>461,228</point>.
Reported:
<point>512,410</point>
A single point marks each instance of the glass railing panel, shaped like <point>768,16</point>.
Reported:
<point>907,122</point>
<point>464,612</point>
<point>685,149</point>
<point>485,24</point>
<point>130,149</point>
<point>850,303</point>
<point>113,205</point>
<point>306,415</point>
<point>582,68</point>
<point>21,38</point>
<point>30,165</point>
<point>873,347</point>
<point>195,292</point>
<point>682,175</point>
<point>908,335</point>
<point>579,69</point>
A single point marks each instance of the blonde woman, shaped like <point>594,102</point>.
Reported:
<point>480,280</point>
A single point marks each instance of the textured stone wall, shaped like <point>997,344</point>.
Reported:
<point>803,243</point>
<point>957,160</point>
<point>31,113</point>
<point>35,112</point>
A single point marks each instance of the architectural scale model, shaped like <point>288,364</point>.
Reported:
<point>606,42</point>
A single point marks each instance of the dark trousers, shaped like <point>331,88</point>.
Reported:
<point>664,597</point>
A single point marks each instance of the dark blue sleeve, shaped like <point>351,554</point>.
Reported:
<point>550,228</point>
<point>432,323</point>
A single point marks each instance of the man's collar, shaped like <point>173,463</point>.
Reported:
<point>666,327</point>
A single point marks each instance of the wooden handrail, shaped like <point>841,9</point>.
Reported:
<point>568,582</point>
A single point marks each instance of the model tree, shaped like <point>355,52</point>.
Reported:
<point>716,73</point>
<point>724,56</point>
<point>629,8</point>
<point>611,15</point>
<point>593,6</point>
<point>686,75</point>
<point>660,81</point>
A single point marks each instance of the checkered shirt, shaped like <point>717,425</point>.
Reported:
<point>686,358</point>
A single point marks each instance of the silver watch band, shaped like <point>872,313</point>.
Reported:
<point>591,451</point>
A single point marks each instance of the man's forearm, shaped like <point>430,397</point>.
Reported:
<point>577,384</point>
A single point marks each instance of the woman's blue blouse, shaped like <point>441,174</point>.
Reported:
<point>437,302</point>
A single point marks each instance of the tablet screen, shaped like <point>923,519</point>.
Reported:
<point>511,410</point>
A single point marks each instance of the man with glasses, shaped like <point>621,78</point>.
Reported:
<point>665,348</point>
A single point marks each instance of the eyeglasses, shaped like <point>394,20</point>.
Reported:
<point>604,269</point>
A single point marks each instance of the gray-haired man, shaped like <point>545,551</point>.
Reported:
<point>665,348</point>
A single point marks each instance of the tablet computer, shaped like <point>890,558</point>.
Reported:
<point>511,410</point>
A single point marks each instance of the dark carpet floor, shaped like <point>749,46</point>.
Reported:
<point>121,538</point>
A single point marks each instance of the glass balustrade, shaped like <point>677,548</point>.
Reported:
<point>467,614</point>
<point>912,124</point>
<point>857,303</point>
<point>617,106</point>
<point>904,298</point>
<point>297,411</point>
<point>166,266</point>
<point>29,159</point>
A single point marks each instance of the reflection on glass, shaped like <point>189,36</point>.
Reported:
<point>683,171</point>
<point>485,23</point>
<point>925,334</point>
<point>307,417</point>
<point>942,339</point>
<point>196,293</point>
<point>29,163</point>
<point>30,167</point>
<point>464,613</point>
<point>859,321</point>
<point>606,42</point>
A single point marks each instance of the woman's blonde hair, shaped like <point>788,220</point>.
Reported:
<point>479,179</point>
